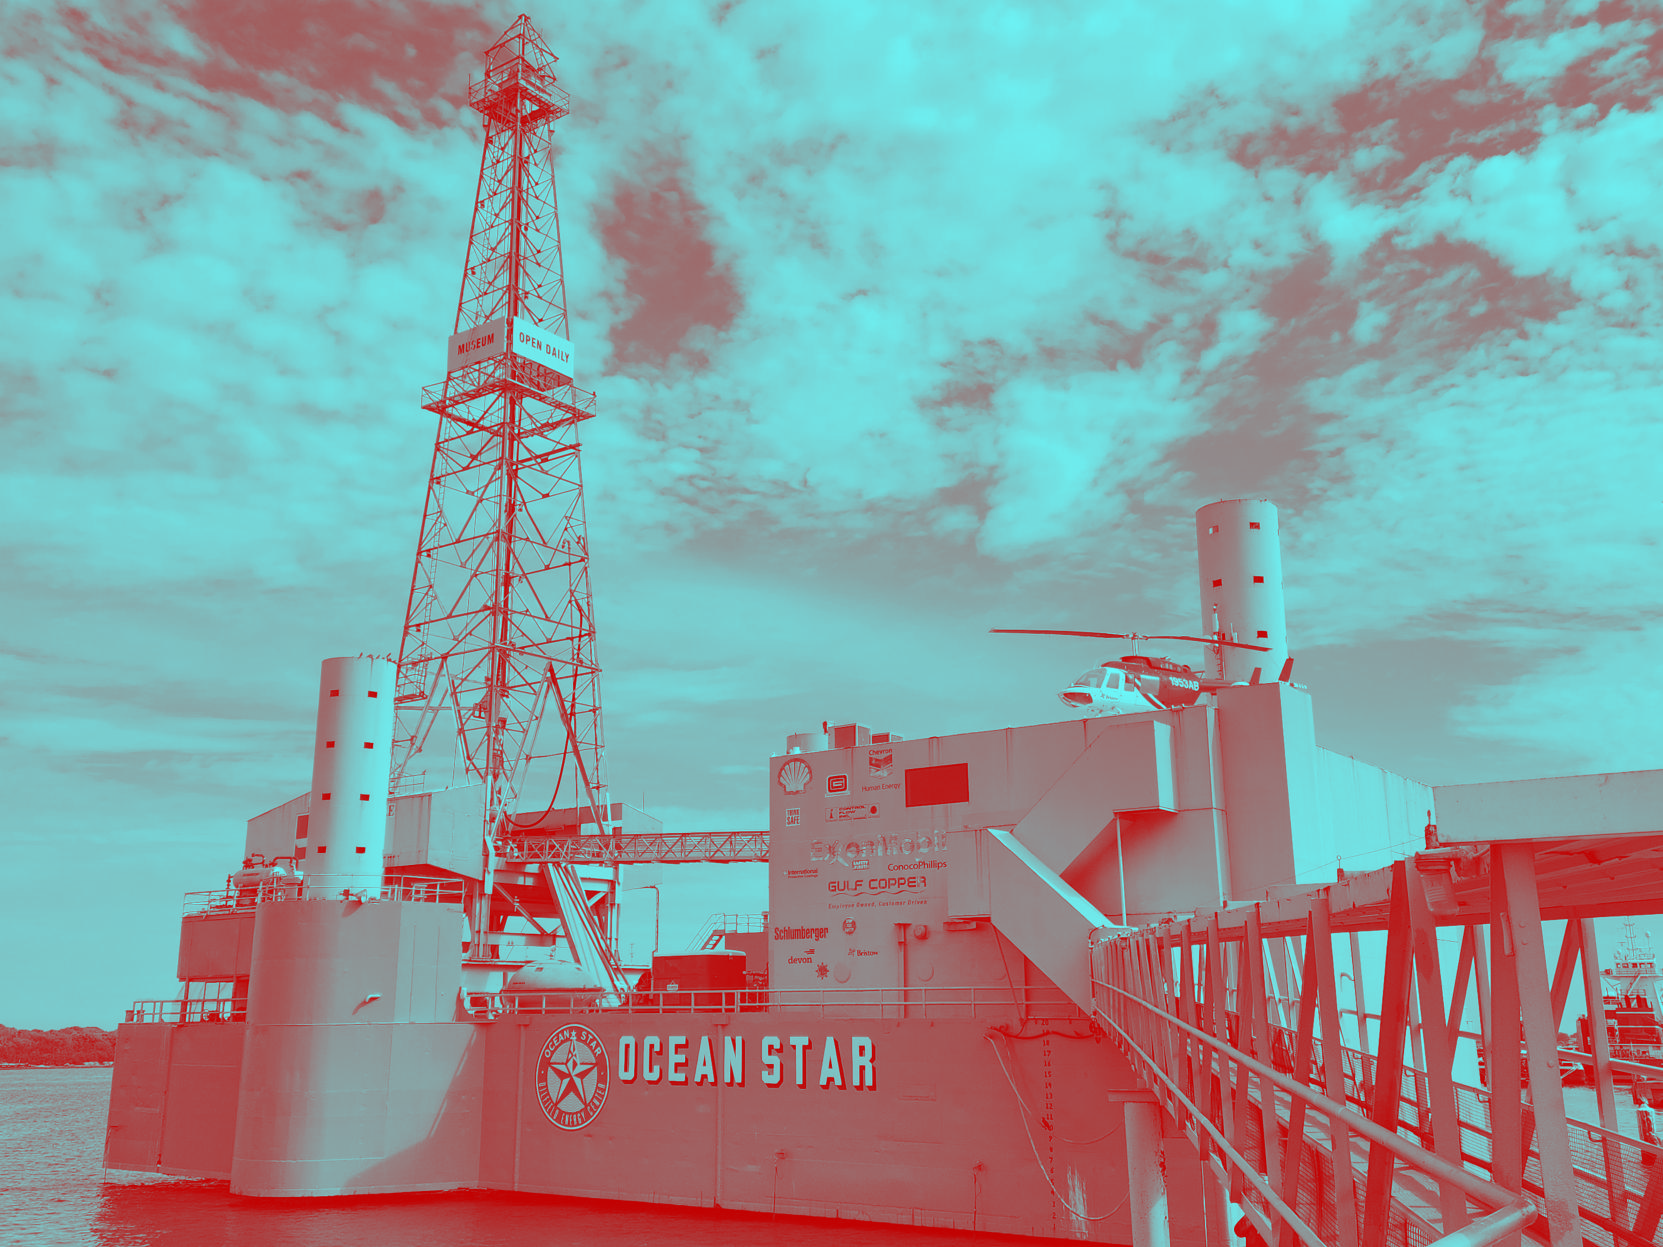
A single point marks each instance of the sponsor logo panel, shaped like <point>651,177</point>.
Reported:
<point>800,933</point>
<point>847,813</point>
<point>794,776</point>
<point>908,849</point>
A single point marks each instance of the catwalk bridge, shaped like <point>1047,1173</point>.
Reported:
<point>1328,1122</point>
<point>611,850</point>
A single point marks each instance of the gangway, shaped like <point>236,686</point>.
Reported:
<point>1362,1135</point>
<point>624,850</point>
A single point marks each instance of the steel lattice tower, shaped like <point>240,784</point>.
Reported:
<point>500,621</point>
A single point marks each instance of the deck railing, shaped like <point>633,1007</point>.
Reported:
<point>187,1011</point>
<point>1003,1003</point>
<point>233,898</point>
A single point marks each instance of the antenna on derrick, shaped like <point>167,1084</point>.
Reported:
<point>500,620</point>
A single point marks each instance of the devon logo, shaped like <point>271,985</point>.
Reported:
<point>572,1077</point>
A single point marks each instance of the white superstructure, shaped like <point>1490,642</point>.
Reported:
<point>347,824</point>
<point>1240,556</point>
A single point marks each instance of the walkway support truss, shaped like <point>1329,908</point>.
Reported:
<point>1326,1122</point>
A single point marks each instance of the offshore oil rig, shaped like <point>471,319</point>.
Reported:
<point>1082,979</point>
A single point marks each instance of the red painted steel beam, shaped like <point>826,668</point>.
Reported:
<point>744,846</point>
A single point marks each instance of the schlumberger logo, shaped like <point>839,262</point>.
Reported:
<point>800,933</point>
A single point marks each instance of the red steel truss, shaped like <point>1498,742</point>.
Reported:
<point>500,623</point>
<point>697,846</point>
<point>1333,1125</point>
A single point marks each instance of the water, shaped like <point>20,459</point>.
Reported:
<point>54,1193</point>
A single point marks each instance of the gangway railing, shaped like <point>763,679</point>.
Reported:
<point>1233,1018</point>
<point>718,927</point>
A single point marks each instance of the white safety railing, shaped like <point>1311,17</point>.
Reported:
<point>233,898</point>
<point>1006,1004</point>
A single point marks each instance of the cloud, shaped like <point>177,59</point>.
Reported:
<point>903,322</point>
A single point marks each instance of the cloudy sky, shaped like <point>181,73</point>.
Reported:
<point>906,322</point>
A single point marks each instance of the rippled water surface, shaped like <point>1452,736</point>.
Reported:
<point>53,1191</point>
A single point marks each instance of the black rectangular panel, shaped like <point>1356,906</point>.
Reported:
<point>938,785</point>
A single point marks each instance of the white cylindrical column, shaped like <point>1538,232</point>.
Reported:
<point>1240,555</point>
<point>347,828</point>
<point>1146,1175</point>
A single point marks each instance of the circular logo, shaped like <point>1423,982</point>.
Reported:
<point>572,1077</point>
<point>848,926</point>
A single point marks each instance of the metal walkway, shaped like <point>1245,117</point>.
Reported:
<point>1326,1122</point>
<point>605,850</point>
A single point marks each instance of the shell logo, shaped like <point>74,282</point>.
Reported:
<point>794,775</point>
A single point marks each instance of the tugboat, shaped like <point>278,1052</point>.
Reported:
<point>1633,1016</point>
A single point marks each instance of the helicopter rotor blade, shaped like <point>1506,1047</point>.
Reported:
<point>1060,632</point>
<point>1207,640</point>
<point>1135,636</point>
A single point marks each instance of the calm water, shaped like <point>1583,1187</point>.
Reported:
<point>53,1192</point>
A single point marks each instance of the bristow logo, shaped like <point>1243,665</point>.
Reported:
<point>572,1077</point>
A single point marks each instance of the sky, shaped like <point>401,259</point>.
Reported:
<point>905,322</point>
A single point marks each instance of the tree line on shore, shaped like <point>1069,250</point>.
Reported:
<point>73,1045</point>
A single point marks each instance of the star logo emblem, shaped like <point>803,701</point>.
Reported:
<point>820,971</point>
<point>572,1076</point>
<point>575,1078</point>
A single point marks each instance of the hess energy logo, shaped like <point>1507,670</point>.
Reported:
<point>572,1077</point>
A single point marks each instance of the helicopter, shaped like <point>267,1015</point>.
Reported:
<point>1135,681</point>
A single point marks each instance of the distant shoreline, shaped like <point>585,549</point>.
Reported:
<point>61,1065</point>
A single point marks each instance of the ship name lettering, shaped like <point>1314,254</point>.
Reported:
<point>655,1058</point>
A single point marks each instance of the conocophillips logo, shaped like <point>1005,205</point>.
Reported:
<point>572,1077</point>
<point>794,775</point>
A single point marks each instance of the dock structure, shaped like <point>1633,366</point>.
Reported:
<point>1327,1121</point>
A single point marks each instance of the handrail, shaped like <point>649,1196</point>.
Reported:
<point>1468,1183</point>
<point>609,849</point>
<point>1486,1230</point>
<point>1040,1004</point>
<point>233,897</point>
<point>1289,1216</point>
<point>1633,1067</point>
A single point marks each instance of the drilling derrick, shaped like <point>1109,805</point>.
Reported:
<point>499,629</point>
